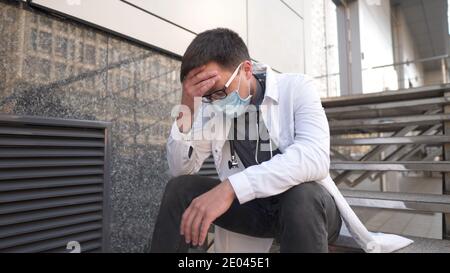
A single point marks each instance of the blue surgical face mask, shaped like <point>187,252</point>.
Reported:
<point>233,105</point>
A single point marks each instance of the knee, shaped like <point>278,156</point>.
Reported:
<point>176,182</point>
<point>302,200</point>
<point>176,186</point>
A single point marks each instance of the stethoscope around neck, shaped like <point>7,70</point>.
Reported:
<point>233,162</point>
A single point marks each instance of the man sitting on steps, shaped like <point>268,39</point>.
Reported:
<point>276,145</point>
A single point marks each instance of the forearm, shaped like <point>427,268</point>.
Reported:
<point>185,118</point>
<point>184,154</point>
<point>297,165</point>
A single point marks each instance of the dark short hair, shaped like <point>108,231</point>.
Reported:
<point>220,45</point>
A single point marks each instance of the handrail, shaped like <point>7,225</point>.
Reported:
<point>384,77</point>
<point>407,62</point>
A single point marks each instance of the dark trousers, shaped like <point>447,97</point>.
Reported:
<point>303,219</point>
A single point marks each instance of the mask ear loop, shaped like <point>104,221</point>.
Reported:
<point>227,84</point>
<point>239,85</point>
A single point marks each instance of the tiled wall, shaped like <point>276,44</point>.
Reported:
<point>274,30</point>
<point>53,67</point>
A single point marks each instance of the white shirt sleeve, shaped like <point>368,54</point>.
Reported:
<point>179,144</point>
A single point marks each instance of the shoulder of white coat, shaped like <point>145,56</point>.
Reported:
<point>299,85</point>
<point>296,80</point>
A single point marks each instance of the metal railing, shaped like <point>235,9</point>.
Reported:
<point>403,131</point>
<point>403,79</point>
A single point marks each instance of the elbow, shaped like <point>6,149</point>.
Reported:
<point>314,162</point>
<point>315,167</point>
<point>176,171</point>
<point>173,171</point>
<point>324,166</point>
<point>324,172</point>
<point>175,168</point>
<point>178,166</point>
<point>322,153</point>
<point>320,165</point>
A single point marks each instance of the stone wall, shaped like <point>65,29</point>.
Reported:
<point>53,67</point>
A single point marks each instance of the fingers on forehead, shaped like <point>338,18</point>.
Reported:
<point>205,75</point>
<point>195,71</point>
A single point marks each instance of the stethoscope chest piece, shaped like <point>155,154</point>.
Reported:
<point>233,163</point>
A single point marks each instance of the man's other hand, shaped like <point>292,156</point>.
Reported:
<point>203,210</point>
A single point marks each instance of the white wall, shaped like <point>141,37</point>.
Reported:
<point>275,35</point>
<point>376,46</point>
<point>405,50</point>
<point>273,29</point>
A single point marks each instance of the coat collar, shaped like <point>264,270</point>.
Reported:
<point>270,112</point>
<point>271,80</point>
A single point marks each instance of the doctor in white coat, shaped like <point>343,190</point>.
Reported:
<point>290,194</point>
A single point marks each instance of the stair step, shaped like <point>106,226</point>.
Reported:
<point>398,201</point>
<point>429,140</point>
<point>420,245</point>
<point>402,166</point>
<point>379,97</point>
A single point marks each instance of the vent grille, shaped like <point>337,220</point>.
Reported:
<point>209,168</point>
<point>54,184</point>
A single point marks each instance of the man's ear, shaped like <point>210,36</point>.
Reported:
<point>248,68</point>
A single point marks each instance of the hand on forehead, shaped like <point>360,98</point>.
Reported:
<point>210,71</point>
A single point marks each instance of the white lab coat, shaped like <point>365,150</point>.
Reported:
<point>297,125</point>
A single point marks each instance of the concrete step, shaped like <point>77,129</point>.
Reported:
<point>346,244</point>
<point>399,201</point>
